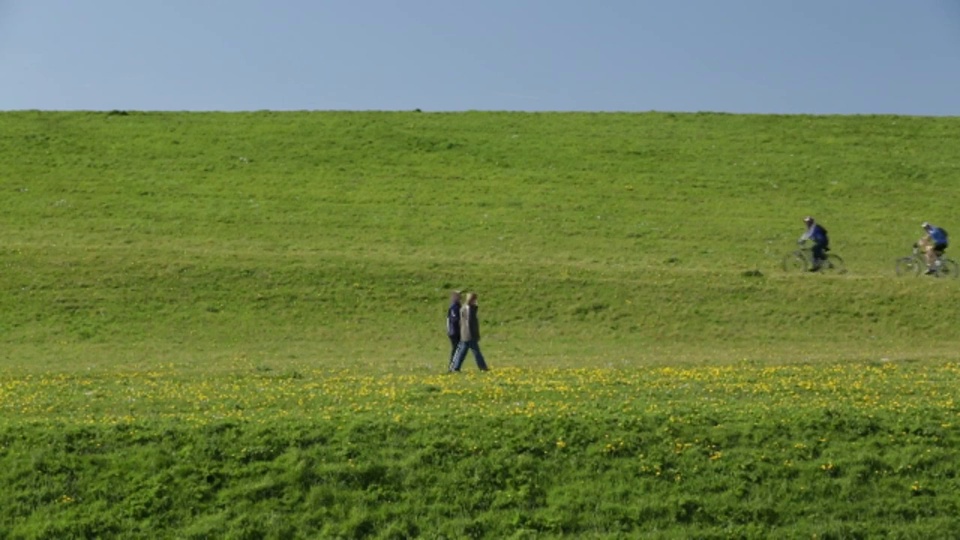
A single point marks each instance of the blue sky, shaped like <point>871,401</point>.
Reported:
<point>756,56</point>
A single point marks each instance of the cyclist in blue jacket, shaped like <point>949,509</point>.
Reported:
<point>933,243</point>
<point>821,243</point>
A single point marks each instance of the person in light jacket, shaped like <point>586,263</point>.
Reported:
<point>934,242</point>
<point>469,336</point>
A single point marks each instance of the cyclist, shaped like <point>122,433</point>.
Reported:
<point>933,243</point>
<point>821,243</point>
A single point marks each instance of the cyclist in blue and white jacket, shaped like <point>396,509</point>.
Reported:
<point>821,243</point>
<point>933,243</point>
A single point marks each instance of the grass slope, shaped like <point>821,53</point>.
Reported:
<point>229,325</point>
<point>334,236</point>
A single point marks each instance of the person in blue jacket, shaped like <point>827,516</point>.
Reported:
<point>821,242</point>
<point>453,324</point>
<point>933,243</point>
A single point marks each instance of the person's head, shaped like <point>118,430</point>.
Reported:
<point>472,299</point>
<point>808,221</point>
<point>455,296</point>
<point>926,226</point>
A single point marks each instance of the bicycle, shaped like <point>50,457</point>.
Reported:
<point>914,264</point>
<point>801,260</point>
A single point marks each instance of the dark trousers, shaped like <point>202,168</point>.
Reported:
<point>454,341</point>
<point>461,354</point>
<point>819,253</point>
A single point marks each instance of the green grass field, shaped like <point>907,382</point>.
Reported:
<point>231,325</point>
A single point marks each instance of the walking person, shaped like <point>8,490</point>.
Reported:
<point>469,335</point>
<point>453,324</point>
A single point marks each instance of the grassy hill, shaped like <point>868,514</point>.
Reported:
<point>333,237</point>
<point>231,326</point>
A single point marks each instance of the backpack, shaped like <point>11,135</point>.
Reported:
<point>941,236</point>
<point>819,234</point>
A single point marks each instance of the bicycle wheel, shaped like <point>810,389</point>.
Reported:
<point>834,264</point>
<point>948,269</point>
<point>908,266</point>
<point>796,262</point>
